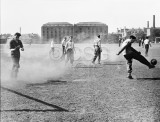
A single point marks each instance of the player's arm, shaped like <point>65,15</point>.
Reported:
<point>62,42</point>
<point>74,48</point>
<point>16,48</point>
<point>21,46</point>
<point>123,49</point>
<point>12,48</point>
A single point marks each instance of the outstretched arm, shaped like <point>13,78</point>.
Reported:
<point>123,49</point>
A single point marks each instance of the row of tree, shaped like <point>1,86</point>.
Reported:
<point>26,38</point>
<point>139,33</point>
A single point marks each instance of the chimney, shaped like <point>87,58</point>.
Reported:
<point>153,21</point>
<point>147,24</point>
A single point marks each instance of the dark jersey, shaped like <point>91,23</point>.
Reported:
<point>13,45</point>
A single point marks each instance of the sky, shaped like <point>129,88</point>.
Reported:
<point>30,15</point>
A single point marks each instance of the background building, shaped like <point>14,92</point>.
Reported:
<point>56,31</point>
<point>81,31</point>
<point>88,30</point>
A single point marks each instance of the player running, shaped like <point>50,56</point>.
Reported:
<point>15,45</point>
<point>130,53</point>
<point>147,43</point>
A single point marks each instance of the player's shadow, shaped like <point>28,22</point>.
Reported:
<point>148,78</point>
<point>32,110</point>
<point>48,82</point>
<point>113,63</point>
<point>56,108</point>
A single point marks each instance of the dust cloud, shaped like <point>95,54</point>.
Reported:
<point>36,66</point>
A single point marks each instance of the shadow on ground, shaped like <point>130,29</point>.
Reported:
<point>48,82</point>
<point>148,78</point>
<point>56,108</point>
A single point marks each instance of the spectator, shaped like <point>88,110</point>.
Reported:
<point>97,50</point>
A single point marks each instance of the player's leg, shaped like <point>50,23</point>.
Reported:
<point>95,56</point>
<point>72,57</point>
<point>63,50</point>
<point>142,59</point>
<point>15,66</point>
<point>142,44</point>
<point>146,49</point>
<point>99,57</point>
<point>70,53</point>
<point>68,56</point>
<point>129,66</point>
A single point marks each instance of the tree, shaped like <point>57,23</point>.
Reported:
<point>155,32</point>
<point>113,38</point>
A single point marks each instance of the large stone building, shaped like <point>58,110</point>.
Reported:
<point>88,30</point>
<point>56,31</point>
<point>80,31</point>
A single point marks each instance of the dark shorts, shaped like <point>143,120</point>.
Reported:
<point>147,46</point>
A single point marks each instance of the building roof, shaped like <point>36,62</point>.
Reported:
<point>57,24</point>
<point>90,24</point>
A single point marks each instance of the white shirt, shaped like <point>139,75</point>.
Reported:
<point>69,45</point>
<point>52,44</point>
<point>63,42</point>
<point>97,42</point>
<point>125,51</point>
<point>146,41</point>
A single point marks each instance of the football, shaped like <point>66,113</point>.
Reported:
<point>153,61</point>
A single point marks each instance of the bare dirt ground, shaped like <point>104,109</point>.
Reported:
<point>100,93</point>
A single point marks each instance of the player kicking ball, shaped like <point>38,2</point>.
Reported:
<point>130,53</point>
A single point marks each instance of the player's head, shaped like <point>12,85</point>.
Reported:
<point>147,37</point>
<point>133,38</point>
<point>98,36</point>
<point>17,35</point>
<point>71,37</point>
<point>65,38</point>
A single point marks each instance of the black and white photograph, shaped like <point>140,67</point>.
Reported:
<point>80,61</point>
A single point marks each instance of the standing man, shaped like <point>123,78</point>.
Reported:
<point>52,45</point>
<point>120,41</point>
<point>147,43</point>
<point>97,50</point>
<point>142,42</point>
<point>139,41</point>
<point>64,47</point>
<point>130,53</point>
<point>15,46</point>
<point>70,50</point>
